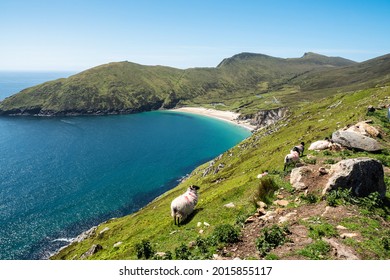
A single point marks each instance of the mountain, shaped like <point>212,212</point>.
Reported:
<point>125,87</point>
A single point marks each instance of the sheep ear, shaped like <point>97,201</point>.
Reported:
<point>193,187</point>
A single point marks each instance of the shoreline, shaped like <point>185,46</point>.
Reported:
<point>228,116</point>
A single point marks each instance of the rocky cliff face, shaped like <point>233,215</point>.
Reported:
<point>267,117</point>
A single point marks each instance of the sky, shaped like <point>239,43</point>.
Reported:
<point>74,35</point>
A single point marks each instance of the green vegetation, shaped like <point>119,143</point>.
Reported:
<point>317,250</point>
<point>245,82</point>
<point>270,238</point>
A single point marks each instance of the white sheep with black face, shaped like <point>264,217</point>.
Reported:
<point>290,158</point>
<point>300,148</point>
<point>183,205</point>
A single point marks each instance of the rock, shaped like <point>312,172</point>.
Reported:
<point>261,211</point>
<point>355,140</point>
<point>116,245</point>
<point>281,202</point>
<point>206,224</point>
<point>370,109</point>
<point>261,204</point>
<point>287,217</point>
<point>199,224</point>
<point>93,250</point>
<point>251,219</point>
<point>348,235</point>
<point>229,205</point>
<point>201,231</point>
<point>104,230</point>
<point>268,216</point>
<point>160,254</point>
<point>362,175</point>
<point>296,177</point>
<point>323,171</point>
<point>327,208</point>
<point>267,117</point>
<point>364,128</point>
<point>341,251</point>
<point>341,227</point>
<point>86,234</point>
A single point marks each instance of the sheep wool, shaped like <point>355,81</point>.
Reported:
<point>292,157</point>
<point>183,205</point>
<point>320,145</point>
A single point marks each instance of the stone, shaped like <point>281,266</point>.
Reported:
<point>348,235</point>
<point>362,175</point>
<point>86,234</point>
<point>296,177</point>
<point>117,244</point>
<point>287,217</point>
<point>104,230</point>
<point>261,204</point>
<point>341,251</point>
<point>281,202</point>
<point>341,227</point>
<point>261,211</point>
<point>199,224</point>
<point>249,220</point>
<point>206,224</point>
<point>355,140</point>
<point>93,250</point>
<point>323,171</point>
<point>229,205</point>
<point>364,129</point>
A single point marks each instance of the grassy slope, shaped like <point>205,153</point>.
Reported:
<point>236,182</point>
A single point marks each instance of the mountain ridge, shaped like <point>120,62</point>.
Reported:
<point>127,87</point>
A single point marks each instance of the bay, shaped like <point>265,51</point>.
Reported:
<point>60,176</point>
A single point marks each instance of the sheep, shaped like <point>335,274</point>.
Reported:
<point>292,157</point>
<point>321,145</point>
<point>300,148</point>
<point>183,205</point>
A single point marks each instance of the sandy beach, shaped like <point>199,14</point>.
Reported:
<point>222,115</point>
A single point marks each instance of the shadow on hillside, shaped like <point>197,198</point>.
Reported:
<point>190,217</point>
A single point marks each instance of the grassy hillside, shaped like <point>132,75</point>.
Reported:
<point>152,228</point>
<point>125,87</point>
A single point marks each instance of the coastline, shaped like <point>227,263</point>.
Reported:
<point>217,114</point>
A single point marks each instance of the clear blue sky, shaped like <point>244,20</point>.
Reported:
<point>79,34</point>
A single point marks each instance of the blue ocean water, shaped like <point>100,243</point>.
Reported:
<point>60,176</point>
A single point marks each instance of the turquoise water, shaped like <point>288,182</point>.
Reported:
<point>60,176</point>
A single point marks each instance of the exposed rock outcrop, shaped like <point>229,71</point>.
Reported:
<point>266,117</point>
<point>362,175</point>
<point>354,140</point>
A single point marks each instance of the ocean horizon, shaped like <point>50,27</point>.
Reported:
<point>62,175</point>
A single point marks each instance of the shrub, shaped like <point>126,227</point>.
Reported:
<point>144,250</point>
<point>316,251</point>
<point>321,230</point>
<point>265,190</point>
<point>310,198</point>
<point>310,160</point>
<point>182,252</point>
<point>329,161</point>
<point>271,238</point>
<point>226,234</point>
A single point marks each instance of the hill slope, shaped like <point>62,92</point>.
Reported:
<point>125,87</point>
<point>235,182</point>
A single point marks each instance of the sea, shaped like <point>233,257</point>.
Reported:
<point>59,176</point>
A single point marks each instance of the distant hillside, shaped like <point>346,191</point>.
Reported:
<point>125,87</point>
